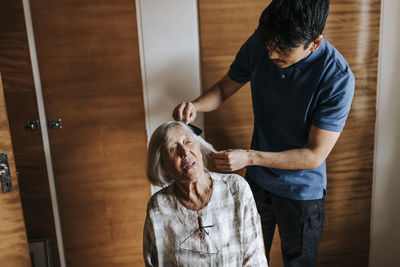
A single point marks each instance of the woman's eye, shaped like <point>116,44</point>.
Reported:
<point>172,148</point>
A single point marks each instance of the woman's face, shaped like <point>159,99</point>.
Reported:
<point>181,156</point>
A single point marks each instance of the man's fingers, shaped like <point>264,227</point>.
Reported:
<point>220,155</point>
<point>192,116</point>
<point>175,114</point>
<point>186,113</point>
<point>221,161</point>
<point>181,111</point>
<point>225,168</point>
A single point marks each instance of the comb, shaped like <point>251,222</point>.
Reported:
<point>196,130</point>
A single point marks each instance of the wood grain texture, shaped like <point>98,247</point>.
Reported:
<point>353,28</point>
<point>14,251</point>
<point>20,95</point>
<point>89,61</point>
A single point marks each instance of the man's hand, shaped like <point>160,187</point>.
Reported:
<point>231,160</point>
<point>210,100</point>
<point>185,112</point>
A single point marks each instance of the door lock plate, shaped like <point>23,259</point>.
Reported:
<point>55,124</point>
<point>6,182</point>
<point>32,125</point>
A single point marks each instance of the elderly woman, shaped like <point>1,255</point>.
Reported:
<point>199,218</point>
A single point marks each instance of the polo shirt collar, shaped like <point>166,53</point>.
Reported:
<point>304,64</point>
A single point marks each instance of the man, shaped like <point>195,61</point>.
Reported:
<point>302,89</point>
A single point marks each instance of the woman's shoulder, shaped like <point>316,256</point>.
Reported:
<point>161,199</point>
<point>234,182</point>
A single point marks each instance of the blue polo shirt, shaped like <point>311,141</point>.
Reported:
<point>317,90</point>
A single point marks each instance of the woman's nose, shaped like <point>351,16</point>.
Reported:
<point>184,151</point>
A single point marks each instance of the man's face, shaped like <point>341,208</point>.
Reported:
<point>284,59</point>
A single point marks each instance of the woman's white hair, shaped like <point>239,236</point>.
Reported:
<point>159,138</point>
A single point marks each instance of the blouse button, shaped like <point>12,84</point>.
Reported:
<point>283,76</point>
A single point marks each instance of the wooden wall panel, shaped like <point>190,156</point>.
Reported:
<point>353,27</point>
<point>224,27</point>
<point>89,62</point>
<point>15,66</point>
<point>14,251</point>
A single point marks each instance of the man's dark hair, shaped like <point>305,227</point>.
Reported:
<point>287,24</point>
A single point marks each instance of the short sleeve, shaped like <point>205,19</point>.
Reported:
<point>334,102</point>
<point>239,70</point>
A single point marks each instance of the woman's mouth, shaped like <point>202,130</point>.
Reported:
<point>189,165</point>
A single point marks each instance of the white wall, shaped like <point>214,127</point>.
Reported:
<point>385,223</point>
<point>170,57</point>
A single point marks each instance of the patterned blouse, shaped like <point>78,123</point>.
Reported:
<point>226,232</point>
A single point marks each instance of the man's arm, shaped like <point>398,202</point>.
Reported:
<point>320,144</point>
<point>208,101</point>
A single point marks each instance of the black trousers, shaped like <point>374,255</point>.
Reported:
<point>299,224</point>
